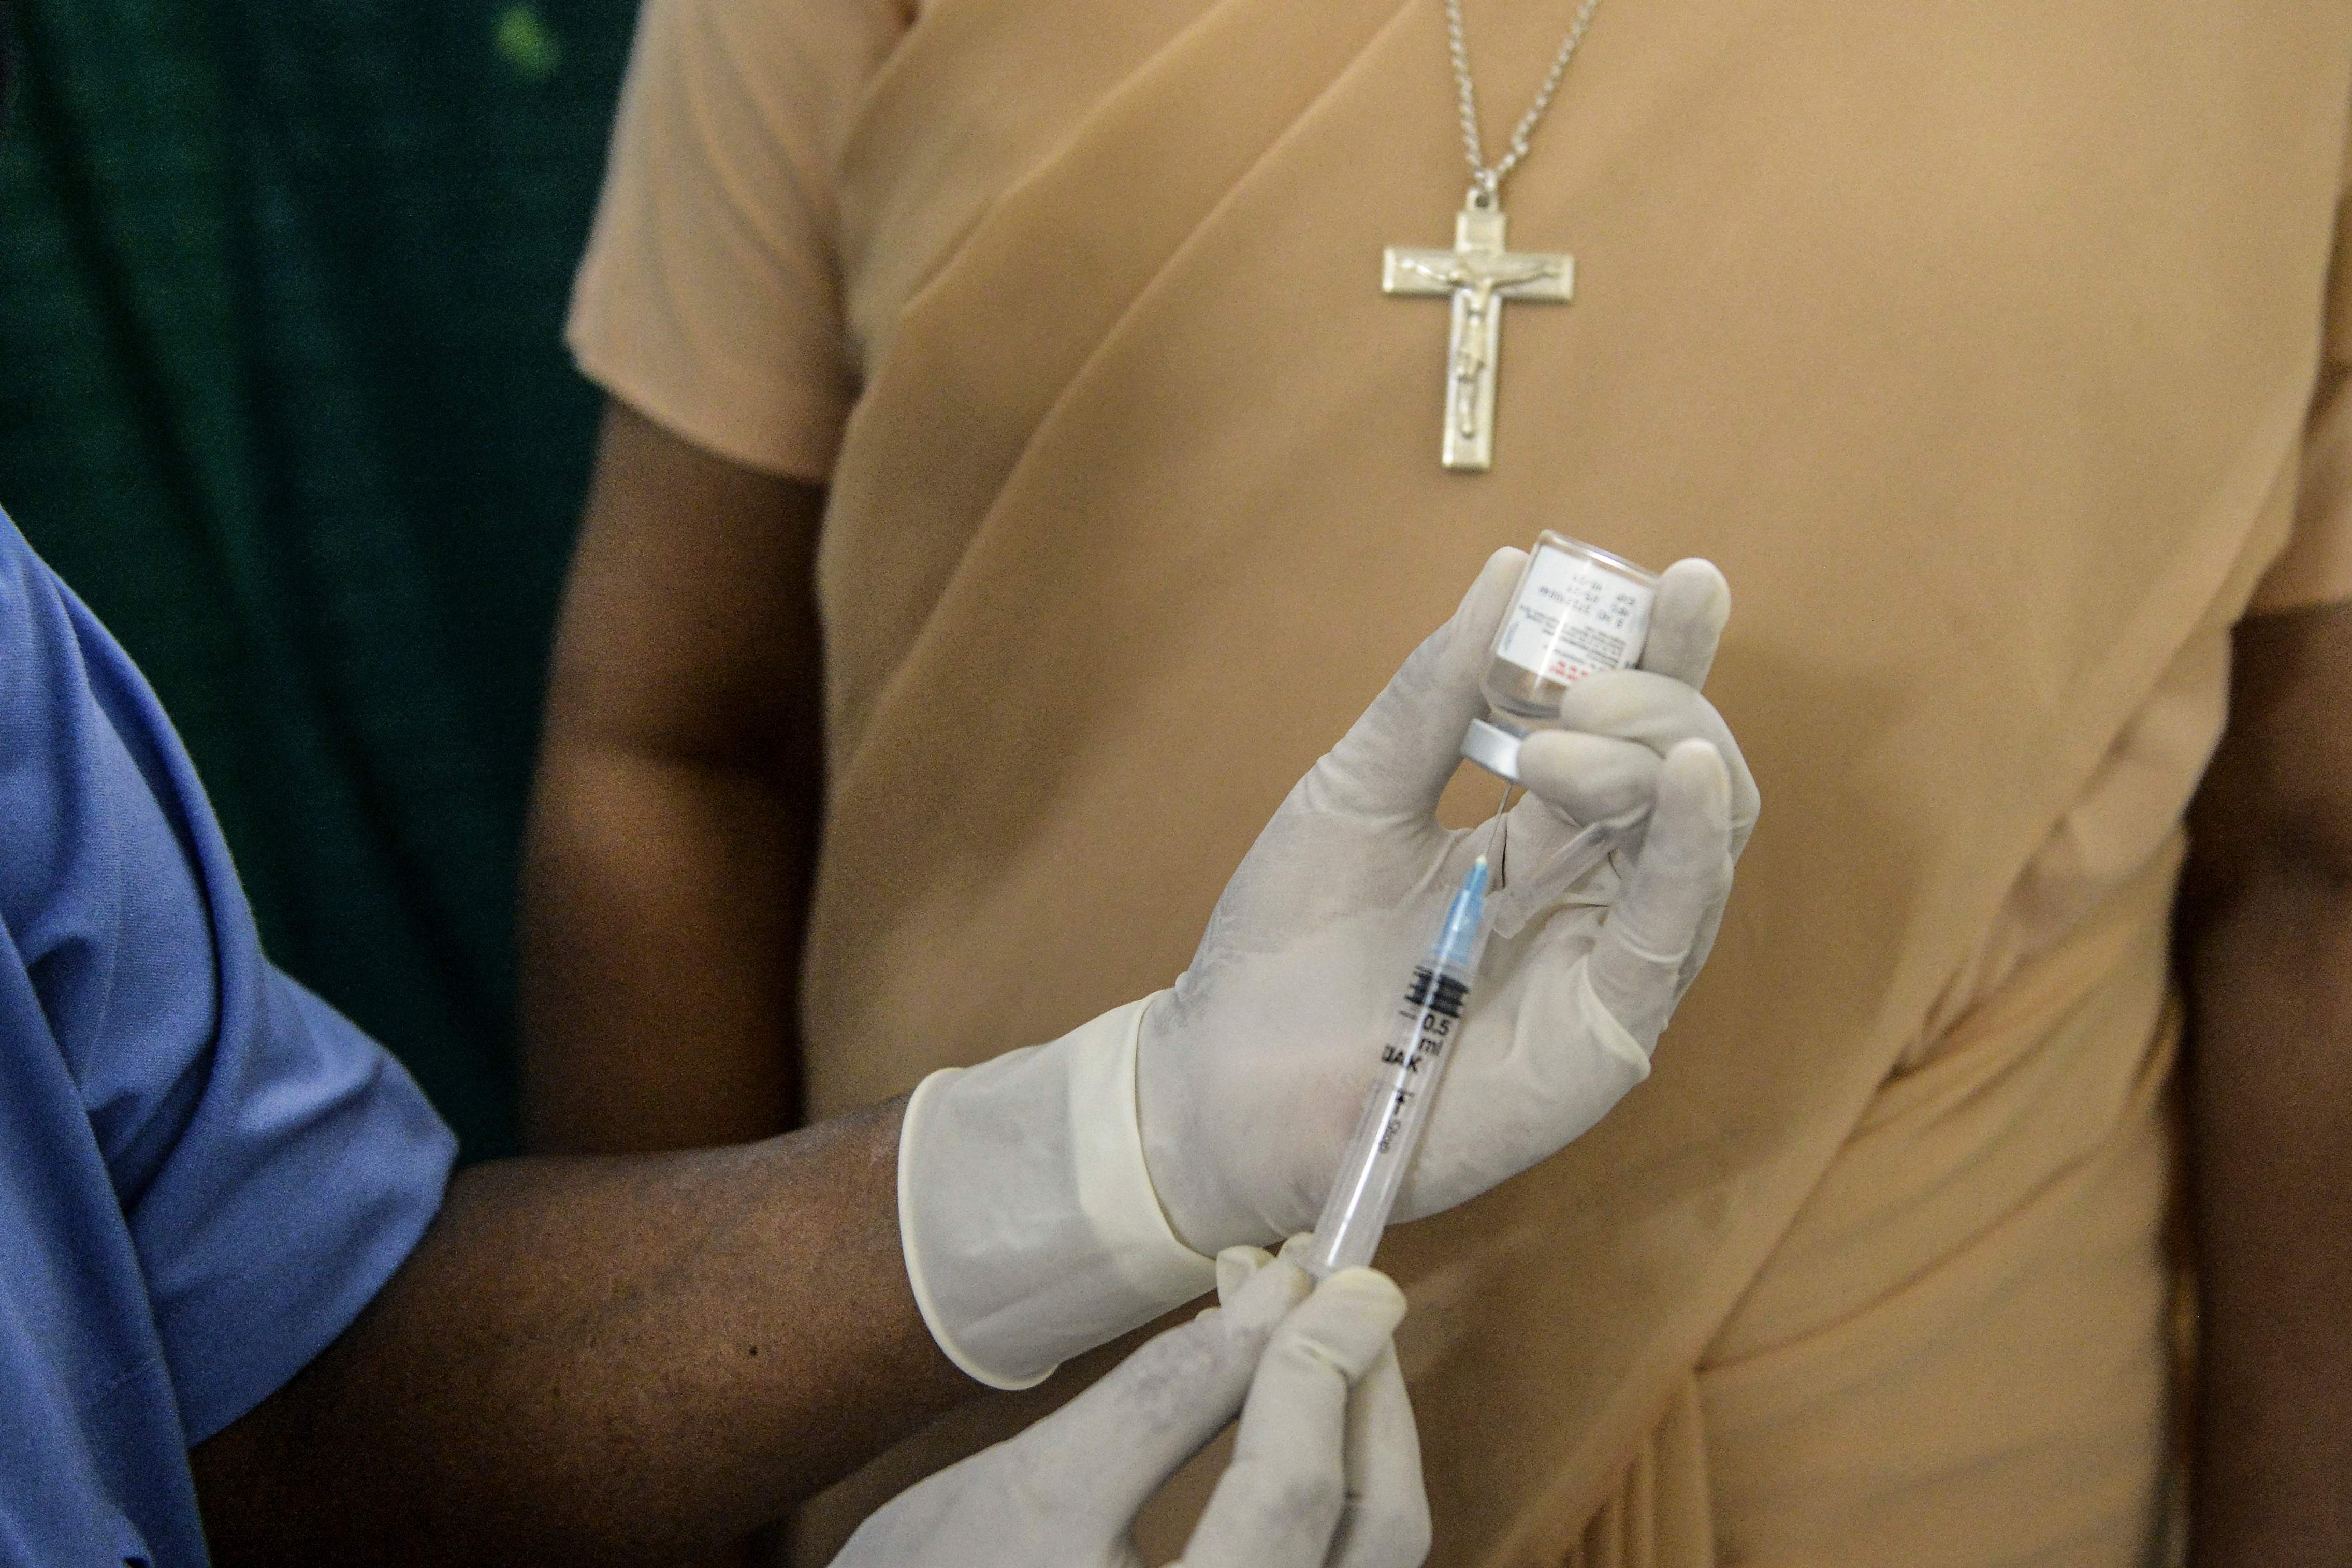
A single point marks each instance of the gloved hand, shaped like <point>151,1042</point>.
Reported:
<point>1325,1470</point>
<point>1252,1073</point>
<point>1056,1197</point>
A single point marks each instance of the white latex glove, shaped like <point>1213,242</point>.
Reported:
<point>1326,1471</point>
<point>1252,1073</point>
<point>1054,1198</point>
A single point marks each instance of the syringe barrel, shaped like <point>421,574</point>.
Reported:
<point>1413,1062</point>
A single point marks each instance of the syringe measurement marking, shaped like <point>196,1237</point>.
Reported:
<point>1373,1172</point>
<point>1433,1001</point>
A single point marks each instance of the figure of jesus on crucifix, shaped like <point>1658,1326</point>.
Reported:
<point>1480,273</point>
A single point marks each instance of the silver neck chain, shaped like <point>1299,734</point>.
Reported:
<point>1486,179</point>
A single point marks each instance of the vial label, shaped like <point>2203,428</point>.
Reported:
<point>1575,616</point>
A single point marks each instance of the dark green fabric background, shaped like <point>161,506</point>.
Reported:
<point>281,395</point>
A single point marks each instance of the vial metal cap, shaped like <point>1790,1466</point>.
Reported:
<point>1493,748</point>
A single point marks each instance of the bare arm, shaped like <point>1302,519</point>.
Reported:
<point>674,821</point>
<point>2267,926</point>
<point>599,1360</point>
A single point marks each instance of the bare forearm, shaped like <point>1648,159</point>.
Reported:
<point>597,1359</point>
<point>662,906</point>
<point>2270,1119</point>
<point>674,819</point>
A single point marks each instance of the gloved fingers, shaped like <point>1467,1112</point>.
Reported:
<point>1298,1249</point>
<point>1237,1266</point>
<point>1385,1523</point>
<point>1543,861</point>
<point>1683,876</point>
<point>1640,705</point>
<point>1586,778</point>
<point>1686,622</point>
<point>1397,758</point>
<point>1660,712</point>
<point>1279,1502</point>
<point>1315,1356</point>
<point>1100,1457</point>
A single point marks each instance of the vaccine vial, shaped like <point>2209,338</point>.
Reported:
<point>1577,610</point>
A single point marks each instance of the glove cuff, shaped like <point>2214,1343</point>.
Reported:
<point>1026,1216</point>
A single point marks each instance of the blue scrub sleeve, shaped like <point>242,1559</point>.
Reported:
<point>273,1164</point>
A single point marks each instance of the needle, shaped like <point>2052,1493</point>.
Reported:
<point>1499,839</point>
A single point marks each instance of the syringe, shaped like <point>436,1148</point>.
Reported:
<point>1411,1063</point>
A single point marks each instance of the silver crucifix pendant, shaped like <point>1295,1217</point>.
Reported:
<point>1480,273</point>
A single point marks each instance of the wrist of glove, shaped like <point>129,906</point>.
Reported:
<point>1026,1214</point>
